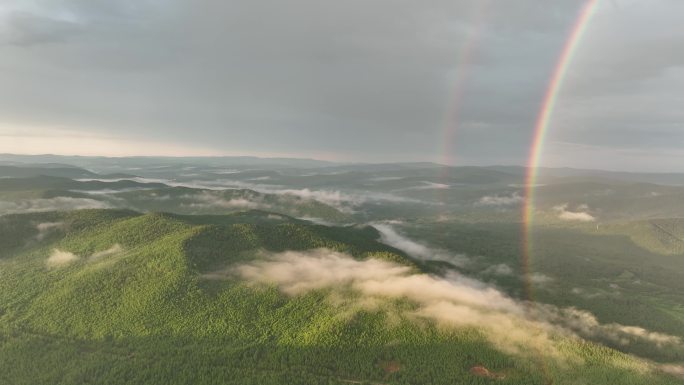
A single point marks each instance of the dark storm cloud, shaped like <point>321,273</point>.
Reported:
<point>354,80</point>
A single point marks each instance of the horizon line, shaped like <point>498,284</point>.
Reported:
<point>336,163</point>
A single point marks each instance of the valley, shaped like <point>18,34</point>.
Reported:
<point>397,274</point>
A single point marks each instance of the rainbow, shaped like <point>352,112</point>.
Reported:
<point>450,123</point>
<point>465,61</point>
<point>542,127</point>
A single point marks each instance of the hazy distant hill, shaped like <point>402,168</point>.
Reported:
<point>45,170</point>
<point>104,163</point>
<point>548,173</point>
<point>44,193</point>
<point>184,200</point>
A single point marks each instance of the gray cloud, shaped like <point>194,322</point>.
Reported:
<point>25,29</point>
<point>339,80</point>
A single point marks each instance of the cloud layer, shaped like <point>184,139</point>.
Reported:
<point>567,215</point>
<point>453,300</point>
<point>501,200</point>
<point>51,204</point>
<point>60,258</point>
<point>415,249</point>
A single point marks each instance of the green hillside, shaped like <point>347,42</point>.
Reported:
<point>628,273</point>
<point>117,297</point>
<point>663,236</point>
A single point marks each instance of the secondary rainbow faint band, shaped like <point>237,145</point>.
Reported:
<point>465,63</point>
<point>542,127</point>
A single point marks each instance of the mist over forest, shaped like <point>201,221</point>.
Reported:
<point>167,270</point>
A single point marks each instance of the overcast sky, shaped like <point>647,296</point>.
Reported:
<point>353,80</point>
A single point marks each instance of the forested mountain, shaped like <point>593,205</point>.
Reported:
<point>111,296</point>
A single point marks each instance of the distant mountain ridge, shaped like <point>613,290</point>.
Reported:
<point>242,162</point>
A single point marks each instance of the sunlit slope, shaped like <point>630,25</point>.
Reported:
<point>624,272</point>
<point>663,236</point>
<point>106,296</point>
<point>608,200</point>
